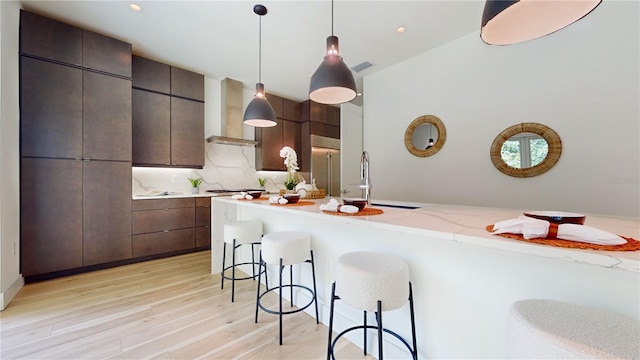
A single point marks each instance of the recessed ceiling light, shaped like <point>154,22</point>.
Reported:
<point>135,7</point>
<point>401,29</point>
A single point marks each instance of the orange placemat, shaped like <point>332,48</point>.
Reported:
<point>631,245</point>
<point>364,212</point>
<point>299,203</point>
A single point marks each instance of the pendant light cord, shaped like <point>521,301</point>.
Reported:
<point>331,17</point>
<point>260,52</point>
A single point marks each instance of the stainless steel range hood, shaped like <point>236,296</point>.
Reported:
<point>231,116</point>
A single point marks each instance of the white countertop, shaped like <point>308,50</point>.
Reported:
<point>466,224</point>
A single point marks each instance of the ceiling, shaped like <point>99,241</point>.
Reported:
<point>220,38</point>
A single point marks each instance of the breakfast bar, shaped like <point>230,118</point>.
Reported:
<point>464,278</point>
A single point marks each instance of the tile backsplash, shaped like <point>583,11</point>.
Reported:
<point>226,167</point>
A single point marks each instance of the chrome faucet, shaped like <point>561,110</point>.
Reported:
<point>364,176</point>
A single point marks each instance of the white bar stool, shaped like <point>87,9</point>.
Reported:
<point>286,248</point>
<point>236,234</point>
<point>549,329</point>
<point>372,281</point>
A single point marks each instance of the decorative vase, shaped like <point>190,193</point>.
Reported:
<point>195,190</point>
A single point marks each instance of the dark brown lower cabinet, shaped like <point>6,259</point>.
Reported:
<point>73,213</point>
<point>106,198</point>
<point>203,222</point>
<point>50,215</point>
<point>162,226</point>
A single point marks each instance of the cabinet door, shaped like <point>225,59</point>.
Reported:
<point>107,211</point>
<point>333,115</point>
<point>318,112</point>
<point>50,39</point>
<point>151,75</point>
<point>163,242</point>
<point>151,128</point>
<point>291,136</point>
<point>106,117</point>
<point>163,220</point>
<point>50,110</point>
<point>291,110</point>
<point>268,151</point>
<point>187,84</point>
<point>187,132</point>
<point>50,215</point>
<point>203,237</point>
<point>276,103</point>
<point>106,54</point>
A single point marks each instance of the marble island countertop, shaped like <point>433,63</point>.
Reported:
<point>466,224</point>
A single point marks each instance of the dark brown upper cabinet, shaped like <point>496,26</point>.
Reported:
<point>276,104</point>
<point>50,39</point>
<point>50,110</point>
<point>151,75</point>
<point>54,40</point>
<point>151,128</point>
<point>106,54</point>
<point>106,117</point>
<point>168,115</point>
<point>187,84</point>
<point>268,151</point>
<point>291,110</point>
<point>187,133</point>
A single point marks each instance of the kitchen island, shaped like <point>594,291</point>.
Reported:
<point>464,278</point>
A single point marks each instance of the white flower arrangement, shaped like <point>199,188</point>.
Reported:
<point>291,162</point>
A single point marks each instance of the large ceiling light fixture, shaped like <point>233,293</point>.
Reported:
<point>333,82</point>
<point>259,112</point>
<point>510,22</point>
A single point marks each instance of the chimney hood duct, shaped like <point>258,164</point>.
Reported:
<point>231,116</point>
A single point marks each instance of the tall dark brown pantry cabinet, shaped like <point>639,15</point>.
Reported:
<point>75,128</point>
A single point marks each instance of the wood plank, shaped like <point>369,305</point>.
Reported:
<point>169,308</point>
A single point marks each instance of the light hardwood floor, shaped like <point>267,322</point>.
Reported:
<point>170,308</point>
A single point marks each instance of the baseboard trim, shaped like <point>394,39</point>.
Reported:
<point>11,292</point>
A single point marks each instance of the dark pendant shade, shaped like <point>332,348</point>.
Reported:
<point>333,81</point>
<point>259,112</point>
<point>511,22</point>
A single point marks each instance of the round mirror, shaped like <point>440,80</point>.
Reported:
<point>526,150</point>
<point>425,136</point>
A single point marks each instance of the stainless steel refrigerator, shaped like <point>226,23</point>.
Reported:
<point>325,164</point>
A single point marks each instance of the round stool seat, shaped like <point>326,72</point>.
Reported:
<point>548,329</point>
<point>243,232</point>
<point>292,247</point>
<point>365,277</point>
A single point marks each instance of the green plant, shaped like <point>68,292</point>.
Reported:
<point>195,182</point>
<point>262,181</point>
<point>290,184</point>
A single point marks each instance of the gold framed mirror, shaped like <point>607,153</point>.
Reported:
<point>425,136</point>
<point>526,150</point>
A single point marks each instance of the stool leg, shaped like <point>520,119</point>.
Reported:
<point>253,261</point>
<point>315,291</point>
<point>364,321</point>
<point>413,323</point>
<point>379,316</point>
<point>233,271</point>
<point>291,288</point>
<point>333,298</point>
<point>258,290</point>
<point>280,314</point>
<point>224,255</point>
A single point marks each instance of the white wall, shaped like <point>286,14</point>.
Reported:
<point>350,148</point>
<point>10,279</point>
<point>582,81</point>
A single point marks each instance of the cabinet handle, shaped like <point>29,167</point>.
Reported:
<point>166,231</point>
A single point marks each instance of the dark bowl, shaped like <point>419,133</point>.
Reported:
<point>557,217</point>
<point>255,194</point>
<point>292,198</point>
<point>359,203</point>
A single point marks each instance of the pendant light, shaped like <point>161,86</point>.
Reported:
<point>259,112</point>
<point>333,82</point>
<point>510,22</point>
<point>431,142</point>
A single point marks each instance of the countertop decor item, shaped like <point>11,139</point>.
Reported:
<point>195,184</point>
<point>291,162</point>
<point>259,112</point>
<point>557,217</point>
<point>364,212</point>
<point>359,203</point>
